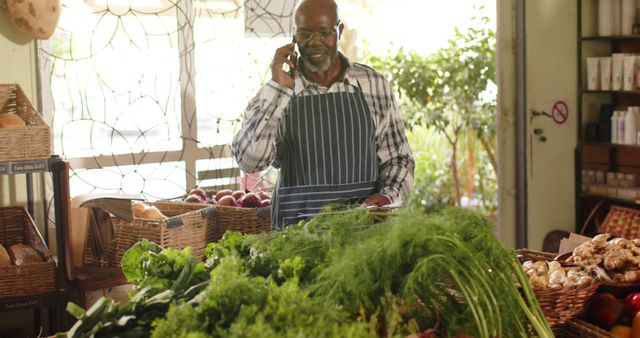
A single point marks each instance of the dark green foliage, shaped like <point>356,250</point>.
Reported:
<point>451,93</point>
<point>161,277</point>
<point>340,275</point>
<point>238,305</point>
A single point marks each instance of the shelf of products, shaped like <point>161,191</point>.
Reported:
<point>50,305</point>
<point>604,88</point>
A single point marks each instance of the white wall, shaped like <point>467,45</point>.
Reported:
<point>551,75</point>
<point>506,78</point>
<point>551,57</point>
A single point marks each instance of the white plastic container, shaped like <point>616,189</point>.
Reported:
<point>621,128</point>
<point>629,72</point>
<point>637,73</point>
<point>600,177</point>
<point>605,17</point>
<point>617,17</point>
<point>628,13</point>
<point>593,81</point>
<point>630,130</point>
<point>614,127</point>
<point>616,71</point>
<point>604,63</point>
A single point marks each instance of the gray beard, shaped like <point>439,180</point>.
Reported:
<point>316,68</point>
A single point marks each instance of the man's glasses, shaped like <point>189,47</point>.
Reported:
<point>306,36</point>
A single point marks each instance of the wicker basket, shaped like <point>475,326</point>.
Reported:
<point>244,220</point>
<point>190,224</point>
<point>32,142</point>
<point>621,222</point>
<point>577,328</point>
<point>559,305</point>
<point>185,227</point>
<point>16,226</point>
<point>222,218</point>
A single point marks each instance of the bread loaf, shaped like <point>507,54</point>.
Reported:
<point>138,209</point>
<point>22,254</point>
<point>153,213</point>
<point>5,260</point>
<point>11,120</point>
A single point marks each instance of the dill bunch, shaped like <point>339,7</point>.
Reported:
<point>447,268</point>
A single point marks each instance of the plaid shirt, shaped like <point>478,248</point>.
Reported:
<point>254,146</point>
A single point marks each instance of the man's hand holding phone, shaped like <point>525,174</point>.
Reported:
<point>284,55</point>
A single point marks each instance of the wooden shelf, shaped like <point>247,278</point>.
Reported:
<point>610,198</point>
<point>60,297</point>
<point>620,92</point>
<point>610,157</point>
<point>613,145</point>
<point>93,277</point>
<point>50,304</point>
<point>611,38</point>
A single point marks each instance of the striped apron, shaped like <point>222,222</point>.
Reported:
<point>327,153</point>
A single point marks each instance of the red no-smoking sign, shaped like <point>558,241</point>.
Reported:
<point>560,112</point>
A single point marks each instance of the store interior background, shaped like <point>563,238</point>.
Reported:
<point>550,70</point>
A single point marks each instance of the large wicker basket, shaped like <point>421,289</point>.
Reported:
<point>621,222</point>
<point>190,224</point>
<point>244,220</point>
<point>563,304</point>
<point>32,142</point>
<point>16,226</point>
<point>577,328</point>
<point>185,228</point>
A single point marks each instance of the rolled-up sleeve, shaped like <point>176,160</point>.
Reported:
<point>396,163</point>
<point>254,145</point>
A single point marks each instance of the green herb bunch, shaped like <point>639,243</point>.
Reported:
<point>298,252</point>
<point>447,269</point>
<point>236,304</point>
<point>338,275</point>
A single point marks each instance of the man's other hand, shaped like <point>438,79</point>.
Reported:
<point>376,199</point>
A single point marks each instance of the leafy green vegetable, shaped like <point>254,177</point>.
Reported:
<point>148,264</point>
<point>238,305</point>
<point>132,260</point>
<point>340,275</point>
<point>162,277</point>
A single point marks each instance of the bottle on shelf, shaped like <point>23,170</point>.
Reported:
<point>605,17</point>
<point>630,132</point>
<point>614,127</point>
<point>628,13</point>
<point>616,71</point>
<point>620,127</point>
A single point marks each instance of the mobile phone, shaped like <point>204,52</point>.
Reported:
<point>292,70</point>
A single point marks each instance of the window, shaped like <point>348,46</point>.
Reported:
<point>146,95</point>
